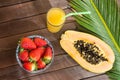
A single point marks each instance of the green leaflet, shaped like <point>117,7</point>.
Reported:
<point>104,21</point>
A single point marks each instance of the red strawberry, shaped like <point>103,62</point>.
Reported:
<point>48,55</point>
<point>36,53</point>
<point>24,55</point>
<point>29,66</point>
<point>40,64</point>
<point>41,50</point>
<point>27,43</point>
<point>40,42</point>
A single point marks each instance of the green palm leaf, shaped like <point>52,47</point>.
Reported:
<point>104,21</point>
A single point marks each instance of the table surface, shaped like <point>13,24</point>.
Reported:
<point>20,18</point>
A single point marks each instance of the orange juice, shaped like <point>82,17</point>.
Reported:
<point>55,19</point>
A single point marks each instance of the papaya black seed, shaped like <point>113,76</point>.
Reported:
<point>89,52</point>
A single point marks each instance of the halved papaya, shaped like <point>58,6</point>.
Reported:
<point>90,52</point>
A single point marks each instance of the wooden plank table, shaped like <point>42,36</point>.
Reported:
<point>20,18</point>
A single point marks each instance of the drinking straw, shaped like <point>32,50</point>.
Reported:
<point>76,13</point>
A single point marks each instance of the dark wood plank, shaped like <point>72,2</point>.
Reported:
<point>71,73</point>
<point>4,3</point>
<point>24,10</point>
<point>23,25</point>
<point>59,3</point>
<point>15,72</point>
<point>99,77</point>
<point>10,58</point>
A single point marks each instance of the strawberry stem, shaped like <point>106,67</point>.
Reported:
<point>21,49</point>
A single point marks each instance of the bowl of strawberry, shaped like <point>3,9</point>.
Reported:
<point>34,53</point>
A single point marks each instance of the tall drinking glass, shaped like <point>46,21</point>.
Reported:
<point>55,19</point>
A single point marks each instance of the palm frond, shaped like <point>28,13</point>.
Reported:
<point>104,21</point>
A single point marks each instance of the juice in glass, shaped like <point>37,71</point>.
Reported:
<point>55,19</point>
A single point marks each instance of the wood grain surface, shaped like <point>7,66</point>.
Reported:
<point>23,10</point>
<point>5,3</point>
